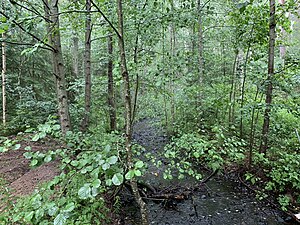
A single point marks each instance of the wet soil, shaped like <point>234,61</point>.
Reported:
<point>19,178</point>
<point>219,201</point>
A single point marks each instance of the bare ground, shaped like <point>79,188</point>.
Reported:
<point>16,172</point>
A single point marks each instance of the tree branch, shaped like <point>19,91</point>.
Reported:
<point>29,33</point>
<point>30,10</point>
<point>107,20</point>
<point>24,44</point>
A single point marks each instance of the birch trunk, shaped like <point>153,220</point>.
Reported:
<point>269,82</point>
<point>3,80</point>
<point>52,13</point>
<point>87,67</point>
<point>127,101</point>
<point>110,86</point>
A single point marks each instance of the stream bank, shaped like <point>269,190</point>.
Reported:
<point>219,201</point>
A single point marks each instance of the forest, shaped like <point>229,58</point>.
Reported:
<point>150,112</point>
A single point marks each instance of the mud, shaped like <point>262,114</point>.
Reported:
<point>220,201</point>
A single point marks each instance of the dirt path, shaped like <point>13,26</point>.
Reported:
<point>16,172</point>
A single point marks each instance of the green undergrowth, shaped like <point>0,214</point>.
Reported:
<point>93,165</point>
<point>275,175</point>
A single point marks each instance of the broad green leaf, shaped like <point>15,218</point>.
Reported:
<point>27,148</point>
<point>112,160</point>
<point>56,127</point>
<point>96,183</point>
<point>137,173</point>
<point>52,210</point>
<point>48,158</point>
<point>129,175</point>
<point>70,207</point>
<point>36,137</point>
<point>85,191</point>
<point>17,146</point>
<point>107,149</point>
<point>94,191</point>
<point>117,179</point>
<point>105,166</point>
<point>139,164</point>
<point>29,216</point>
<point>108,182</point>
<point>60,219</point>
<point>34,162</point>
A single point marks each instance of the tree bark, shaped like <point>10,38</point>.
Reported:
<point>110,85</point>
<point>75,53</point>
<point>272,35</point>
<point>52,13</point>
<point>200,43</point>
<point>232,91</point>
<point>87,67</point>
<point>282,48</point>
<point>127,101</point>
<point>3,80</point>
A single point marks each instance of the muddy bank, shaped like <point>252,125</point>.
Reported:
<point>219,201</point>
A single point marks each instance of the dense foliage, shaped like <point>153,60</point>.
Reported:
<point>200,67</point>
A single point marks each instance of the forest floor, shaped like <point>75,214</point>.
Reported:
<point>15,171</point>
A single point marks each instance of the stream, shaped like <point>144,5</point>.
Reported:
<point>220,201</point>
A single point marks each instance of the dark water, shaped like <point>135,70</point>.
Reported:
<point>220,201</point>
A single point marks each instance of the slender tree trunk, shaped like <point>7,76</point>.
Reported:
<point>52,13</point>
<point>127,100</point>
<point>232,90</point>
<point>110,85</point>
<point>269,81</point>
<point>200,43</point>
<point>173,74</point>
<point>254,120</point>
<point>244,84</point>
<point>3,79</point>
<point>87,67</point>
<point>75,54</point>
<point>282,48</point>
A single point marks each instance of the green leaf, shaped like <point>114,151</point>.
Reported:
<point>112,160</point>
<point>94,191</point>
<point>3,19</point>
<point>60,219</point>
<point>48,158</point>
<point>27,148</point>
<point>105,166</point>
<point>85,191</point>
<point>117,179</point>
<point>139,164</point>
<point>70,207</point>
<point>34,162</point>
<point>96,183</point>
<point>138,173</point>
<point>28,216</point>
<point>17,146</point>
<point>36,137</point>
<point>129,175</point>
<point>56,127</point>
<point>52,210</point>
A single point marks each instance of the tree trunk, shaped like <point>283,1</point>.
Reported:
<point>110,85</point>
<point>3,79</point>
<point>127,100</point>
<point>269,81</point>
<point>232,90</point>
<point>75,53</point>
<point>52,13</point>
<point>282,48</point>
<point>200,43</point>
<point>87,67</point>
